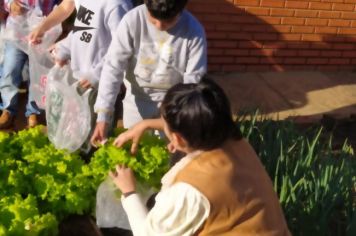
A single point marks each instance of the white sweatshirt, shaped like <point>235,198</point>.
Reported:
<point>151,60</point>
<point>88,42</point>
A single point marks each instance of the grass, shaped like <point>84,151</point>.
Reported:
<point>315,183</point>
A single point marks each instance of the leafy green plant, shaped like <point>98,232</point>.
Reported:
<point>315,184</point>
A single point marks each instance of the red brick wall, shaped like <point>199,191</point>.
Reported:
<point>278,35</point>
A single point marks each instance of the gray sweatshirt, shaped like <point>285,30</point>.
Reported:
<point>150,60</point>
<point>88,42</point>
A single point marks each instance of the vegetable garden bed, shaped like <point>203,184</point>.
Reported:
<point>41,186</point>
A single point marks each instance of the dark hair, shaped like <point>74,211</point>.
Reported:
<point>165,9</point>
<point>201,113</point>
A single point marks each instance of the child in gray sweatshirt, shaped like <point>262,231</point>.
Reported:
<point>156,46</point>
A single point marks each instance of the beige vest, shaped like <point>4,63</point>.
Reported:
<point>239,190</point>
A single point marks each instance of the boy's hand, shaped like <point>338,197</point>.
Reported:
<point>16,8</point>
<point>124,179</point>
<point>99,134</point>
<point>84,83</point>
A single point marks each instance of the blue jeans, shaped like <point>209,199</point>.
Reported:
<point>14,62</point>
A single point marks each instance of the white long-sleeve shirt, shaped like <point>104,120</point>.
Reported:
<point>151,60</point>
<point>180,209</point>
<point>88,42</point>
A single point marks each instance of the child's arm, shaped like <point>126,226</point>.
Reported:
<point>57,16</point>
<point>116,62</point>
<point>112,20</point>
<point>197,58</point>
<point>135,132</point>
<point>169,214</point>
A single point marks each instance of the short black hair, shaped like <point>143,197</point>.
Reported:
<point>165,9</point>
<point>201,113</point>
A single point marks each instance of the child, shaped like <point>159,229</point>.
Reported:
<point>13,65</point>
<point>89,40</point>
<point>155,41</point>
<point>219,188</point>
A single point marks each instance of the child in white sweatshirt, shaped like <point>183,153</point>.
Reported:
<point>156,46</point>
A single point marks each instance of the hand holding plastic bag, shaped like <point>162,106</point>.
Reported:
<point>67,112</point>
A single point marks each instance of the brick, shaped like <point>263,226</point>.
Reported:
<point>316,22</point>
<point>329,14</point>
<point>292,21</point>
<point>344,46</point>
<point>320,45</point>
<point>227,9</point>
<point>303,29</point>
<point>309,53</point>
<point>272,3</point>
<point>233,68</point>
<point>271,20</point>
<point>215,52</point>
<point>224,44</point>
<point>325,30</point>
<point>342,7</point>
<point>291,37</point>
<point>246,2</point>
<point>334,39</point>
<point>320,6</point>
<point>227,27</point>
<point>258,11</point>
<point>254,28</point>
<point>282,12</point>
<point>350,53</point>
<point>216,35</point>
<point>271,60</point>
<point>317,61</point>
<point>264,37</point>
<point>237,52</point>
<point>298,45</point>
<point>200,8</point>
<point>242,19</point>
<point>250,44</point>
<point>240,36</point>
<point>351,31</point>
<point>311,37</point>
<point>221,60</point>
<point>339,61</point>
<point>306,13</point>
<point>274,44</point>
<point>261,52</point>
<point>283,28</point>
<point>294,60</point>
<point>286,53</point>
<point>247,60</point>
<point>296,4</point>
<point>331,53</point>
<point>339,23</point>
<point>348,15</point>
<point>216,18</point>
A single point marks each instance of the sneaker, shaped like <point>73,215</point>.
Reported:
<point>6,119</point>
<point>32,121</point>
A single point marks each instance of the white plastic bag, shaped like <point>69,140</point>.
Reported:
<point>67,112</point>
<point>109,211</point>
<point>19,27</point>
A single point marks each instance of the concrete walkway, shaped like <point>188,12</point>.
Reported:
<point>304,96</point>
